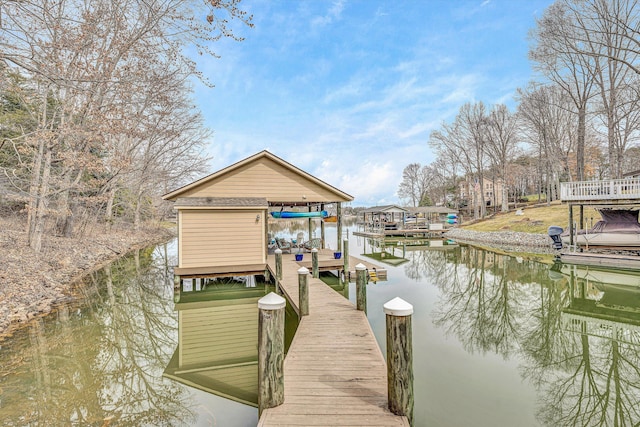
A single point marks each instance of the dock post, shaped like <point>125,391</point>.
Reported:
<point>278,253</point>
<point>270,351</point>
<point>361,287</point>
<point>399,357</point>
<point>345,260</point>
<point>314,263</point>
<point>303,292</point>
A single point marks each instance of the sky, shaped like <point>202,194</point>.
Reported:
<point>349,91</point>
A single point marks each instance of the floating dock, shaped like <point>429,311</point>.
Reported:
<point>604,260</point>
<point>334,372</point>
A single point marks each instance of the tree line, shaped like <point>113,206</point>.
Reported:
<point>96,108</point>
<point>578,120</point>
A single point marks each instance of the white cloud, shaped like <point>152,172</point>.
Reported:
<point>333,14</point>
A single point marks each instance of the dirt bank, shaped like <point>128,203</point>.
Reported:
<point>32,285</point>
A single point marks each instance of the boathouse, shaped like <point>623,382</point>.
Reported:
<point>222,218</point>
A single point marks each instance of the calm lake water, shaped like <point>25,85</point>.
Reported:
<point>498,341</point>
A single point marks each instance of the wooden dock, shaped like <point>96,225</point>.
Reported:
<point>334,372</point>
<point>631,262</point>
<point>406,233</point>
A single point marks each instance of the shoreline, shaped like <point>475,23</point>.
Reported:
<point>33,285</point>
<point>510,241</point>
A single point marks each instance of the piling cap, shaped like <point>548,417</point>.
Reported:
<point>278,251</point>
<point>303,270</point>
<point>398,307</point>
<point>361,266</point>
<point>272,301</point>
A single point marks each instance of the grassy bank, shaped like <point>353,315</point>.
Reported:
<point>533,219</point>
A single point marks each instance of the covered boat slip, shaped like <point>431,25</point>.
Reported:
<point>223,225</point>
<point>618,201</point>
<point>395,221</point>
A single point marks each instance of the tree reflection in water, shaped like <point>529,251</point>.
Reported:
<point>101,362</point>
<point>578,348</point>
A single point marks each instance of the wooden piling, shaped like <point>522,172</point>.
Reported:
<point>303,292</point>
<point>270,351</point>
<point>314,263</point>
<point>399,357</point>
<point>361,287</point>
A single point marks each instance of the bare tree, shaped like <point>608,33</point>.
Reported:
<point>502,144</point>
<point>556,54</point>
<point>84,59</point>
<point>465,140</point>
<point>546,118</point>
<point>414,184</point>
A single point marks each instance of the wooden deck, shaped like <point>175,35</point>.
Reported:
<point>334,372</point>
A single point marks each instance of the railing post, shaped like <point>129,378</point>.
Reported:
<point>399,357</point>
<point>345,260</point>
<point>303,292</point>
<point>361,287</point>
<point>270,351</point>
<point>278,253</point>
<point>314,263</point>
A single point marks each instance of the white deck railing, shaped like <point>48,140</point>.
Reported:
<point>611,189</point>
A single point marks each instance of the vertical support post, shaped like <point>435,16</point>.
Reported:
<point>278,253</point>
<point>361,287</point>
<point>303,292</point>
<point>581,217</point>
<point>314,263</point>
<point>345,259</point>
<point>339,226</point>
<point>399,357</point>
<point>571,241</point>
<point>322,236</point>
<point>270,351</point>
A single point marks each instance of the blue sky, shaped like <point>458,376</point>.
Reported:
<point>349,91</point>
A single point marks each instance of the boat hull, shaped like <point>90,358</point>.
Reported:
<point>605,239</point>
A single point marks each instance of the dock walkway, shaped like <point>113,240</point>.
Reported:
<point>334,372</point>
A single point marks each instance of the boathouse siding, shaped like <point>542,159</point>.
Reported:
<point>221,231</point>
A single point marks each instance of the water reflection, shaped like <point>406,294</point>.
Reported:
<point>576,331</point>
<point>98,362</point>
<point>217,339</point>
<point>570,337</point>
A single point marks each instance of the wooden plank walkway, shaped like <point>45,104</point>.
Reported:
<point>334,372</point>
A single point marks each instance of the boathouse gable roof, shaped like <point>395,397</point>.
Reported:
<point>262,175</point>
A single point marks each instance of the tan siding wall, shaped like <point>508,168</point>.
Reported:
<point>264,178</point>
<point>215,238</point>
<point>212,335</point>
